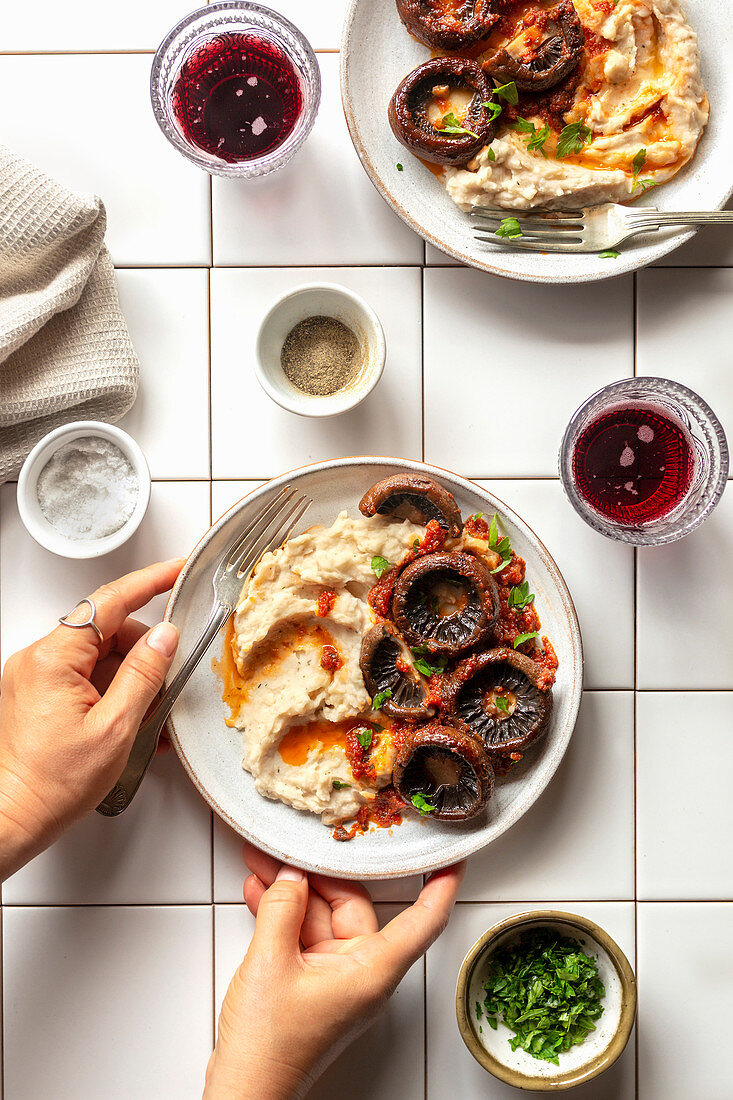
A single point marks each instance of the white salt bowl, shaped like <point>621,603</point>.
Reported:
<point>30,510</point>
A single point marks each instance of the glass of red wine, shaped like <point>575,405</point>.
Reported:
<point>236,88</point>
<point>644,461</point>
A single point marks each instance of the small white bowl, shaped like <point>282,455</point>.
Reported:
<point>319,300</point>
<point>30,510</point>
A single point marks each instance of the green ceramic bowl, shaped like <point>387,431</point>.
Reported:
<point>582,1062</point>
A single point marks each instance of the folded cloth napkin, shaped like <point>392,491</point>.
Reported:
<point>65,352</point>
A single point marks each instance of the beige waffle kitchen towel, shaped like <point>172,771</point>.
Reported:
<point>65,352</point>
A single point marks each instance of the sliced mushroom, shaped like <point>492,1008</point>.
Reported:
<point>444,773</point>
<point>448,24</point>
<point>447,602</point>
<point>413,497</point>
<point>385,667</point>
<point>551,61</point>
<point>420,108</point>
<point>500,674</point>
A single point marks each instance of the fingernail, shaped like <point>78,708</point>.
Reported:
<point>290,874</point>
<point>163,638</point>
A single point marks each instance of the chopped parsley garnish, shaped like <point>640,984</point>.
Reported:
<point>490,154</point>
<point>339,785</point>
<point>400,167</point>
<point>365,736</point>
<point>509,229</point>
<point>381,697</point>
<point>637,164</point>
<point>520,596</point>
<point>476,515</point>
<point>521,638</point>
<point>572,139</point>
<point>546,990</point>
<point>451,125</point>
<point>421,804</point>
<point>508,92</point>
<point>500,546</point>
<point>610,254</point>
<point>537,138</point>
<point>501,703</point>
<point>380,566</point>
<point>415,544</point>
<point>424,666</point>
<point>494,109</point>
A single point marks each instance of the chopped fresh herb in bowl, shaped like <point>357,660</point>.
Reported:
<point>546,990</point>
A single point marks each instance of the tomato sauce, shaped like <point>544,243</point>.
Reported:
<point>325,603</point>
<point>331,659</point>
<point>384,812</point>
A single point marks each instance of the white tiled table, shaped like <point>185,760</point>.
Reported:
<point>119,942</point>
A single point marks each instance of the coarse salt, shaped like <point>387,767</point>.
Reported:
<point>88,489</point>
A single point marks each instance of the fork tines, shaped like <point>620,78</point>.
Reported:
<point>538,227</point>
<point>269,528</point>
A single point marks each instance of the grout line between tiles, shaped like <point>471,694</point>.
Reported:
<point>635,597</point>
<point>382,901</point>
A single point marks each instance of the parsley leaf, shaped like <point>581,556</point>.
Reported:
<point>546,990</point>
<point>494,109</point>
<point>400,167</point>
<point>380,566</point>
<point>536,143</point>
<point>520,596</point>
<point>572,138</point>
<point>424,666</point>
<point>637,164</point>
<point>508,92</point>
<point>501,703</point>
<point>365,736</point>
<point>500,546</point>
<point>451,125</point>
<point>521,638</point>
<point>415,544</point>
<point>381,697</point>
<point>490,154</point>
<point>509,228</point>
<point>611,254</point>
<point>493,532</point>
<point>339,785</point>
<point>421,804</point>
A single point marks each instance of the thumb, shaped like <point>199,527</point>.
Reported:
<point>139,678</point>
<point>281,912</point>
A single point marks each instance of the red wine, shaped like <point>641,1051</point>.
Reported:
<point>633,464</point>
<point>237,96</point>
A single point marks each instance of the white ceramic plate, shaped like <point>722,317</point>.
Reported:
<point>377,52</point>
<point>211,752</point>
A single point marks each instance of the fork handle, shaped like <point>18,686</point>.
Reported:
<point>147,736</point>
<point>656,219</point>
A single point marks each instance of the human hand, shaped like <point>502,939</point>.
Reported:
<point>70,707</point>
<point>316,974</point>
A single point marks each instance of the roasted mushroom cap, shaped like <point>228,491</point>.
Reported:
<point>448,24</point>
<point>551,61</point>
<point>445,771</point>
<point>447,602</point>
<point>500,674</point>
<point>384,668</point>
<point>420,110</point>
<point>413,497</point>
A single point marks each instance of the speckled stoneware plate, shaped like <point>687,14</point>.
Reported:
<point>211,752</point>
<point>377,52</point>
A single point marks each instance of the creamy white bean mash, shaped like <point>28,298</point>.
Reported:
<point>287,704</point>
<point>640,89</point>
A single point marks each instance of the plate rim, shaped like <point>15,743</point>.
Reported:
<point>628,263</point>
<point>471,844</point>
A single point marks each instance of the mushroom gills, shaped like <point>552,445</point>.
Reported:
<point>382,653</point>
<point>447,602</point>
<point>415,498</point>
<point>445,773</point>
<point>503,731</point>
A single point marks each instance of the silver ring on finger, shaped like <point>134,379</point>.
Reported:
<point>90,621</point>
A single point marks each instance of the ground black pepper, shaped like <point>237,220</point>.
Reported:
<point>321,356</point>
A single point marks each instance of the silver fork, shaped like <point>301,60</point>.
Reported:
<point>268,529</point>
<point>596,229</point>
